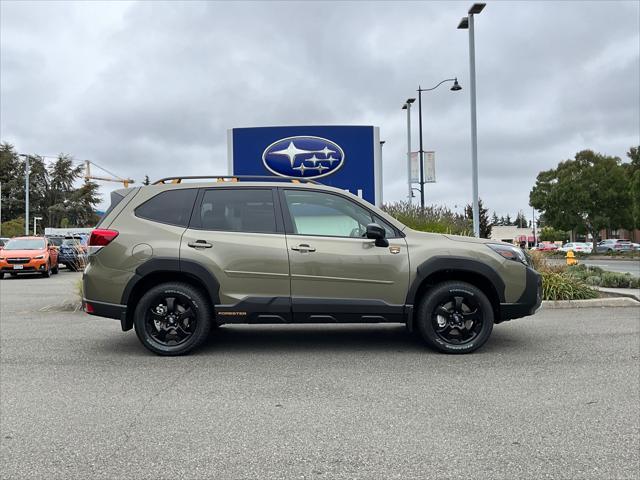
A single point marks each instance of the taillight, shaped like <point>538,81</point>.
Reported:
<point>100,237</point>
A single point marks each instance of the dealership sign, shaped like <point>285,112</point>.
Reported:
<point>346,157</point>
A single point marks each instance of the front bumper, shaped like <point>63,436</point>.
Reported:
<point>31,266</point>
<point>528,302</point>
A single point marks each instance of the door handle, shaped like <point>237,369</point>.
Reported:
<point>303,247</point>
<point>199,244</point>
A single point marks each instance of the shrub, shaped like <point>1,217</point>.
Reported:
<point>434,218</point>
<point>540,263</point>
<point>598,277</point>
<point>562,286</point>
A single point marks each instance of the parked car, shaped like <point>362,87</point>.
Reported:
<point>28,255</point>
<point>576,247</point>
<point>294,252</point>
<point>547,247</point>
<point>636,246</point>
<point>55,240</point>
<point>73,253</point>
<point>611,245</point>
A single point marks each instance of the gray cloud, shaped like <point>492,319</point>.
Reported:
<point>151,88</point>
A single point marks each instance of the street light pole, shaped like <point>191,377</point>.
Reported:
<point>456,87</point>
<point>407,107</point>
<point>467,23</point>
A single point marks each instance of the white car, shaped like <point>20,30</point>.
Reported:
<point>580,247</point>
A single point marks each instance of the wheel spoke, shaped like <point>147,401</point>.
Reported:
<point>171,304</point>
<point>458,304</point>
<point>443,312</point>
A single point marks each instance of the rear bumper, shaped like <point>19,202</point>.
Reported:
<point>102,309</point>
<point>528,302</point>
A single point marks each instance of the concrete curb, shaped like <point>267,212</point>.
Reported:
<point>592,303</point>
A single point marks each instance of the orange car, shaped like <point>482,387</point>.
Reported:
<point>28,255</point>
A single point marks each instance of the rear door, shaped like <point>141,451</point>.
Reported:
<point>237,233</point>
<point>336,273</point>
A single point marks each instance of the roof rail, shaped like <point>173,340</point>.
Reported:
<point>234,178</point>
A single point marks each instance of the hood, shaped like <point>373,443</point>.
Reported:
<point>460,238</point>
<point>21,253</point>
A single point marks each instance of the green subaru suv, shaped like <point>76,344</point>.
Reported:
<point>178,258</point>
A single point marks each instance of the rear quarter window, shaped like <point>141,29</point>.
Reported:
<point>172,207</point>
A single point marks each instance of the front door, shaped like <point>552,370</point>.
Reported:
<point>336,273</point>
<point>237,235</point>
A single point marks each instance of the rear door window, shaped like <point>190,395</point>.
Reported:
<point>172,207</point>
<point>236,210</point>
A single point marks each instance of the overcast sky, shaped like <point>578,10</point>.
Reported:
<point>151,88</point>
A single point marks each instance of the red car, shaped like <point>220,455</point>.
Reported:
<point>547,247</point>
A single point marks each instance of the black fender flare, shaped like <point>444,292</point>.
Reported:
<point>175,265</point>
<point>444,263</point>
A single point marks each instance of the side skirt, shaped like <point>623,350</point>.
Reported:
<point>311,310</point>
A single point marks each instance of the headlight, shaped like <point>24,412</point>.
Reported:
<point>509,252</point>
<point>39,257</point>
<point>1,258</point>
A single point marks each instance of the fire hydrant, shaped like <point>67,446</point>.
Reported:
<point>571,258</point>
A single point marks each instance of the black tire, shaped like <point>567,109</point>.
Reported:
<point>13,275</point>
<point>47,272</point>
<point>1,275</point>
<point>155,330</point>
<point>465,321</point>
<point>55,269</point>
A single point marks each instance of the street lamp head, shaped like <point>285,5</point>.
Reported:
<point>464,23</point>
<point>456,86</point>
<point>411,100</point>
<point>404,107</point>
<point>476,8</point>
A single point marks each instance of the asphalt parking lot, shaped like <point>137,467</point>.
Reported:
<point>551,396</point>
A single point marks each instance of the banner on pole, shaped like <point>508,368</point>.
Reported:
<point>429,167</point>
<point>415,167</point>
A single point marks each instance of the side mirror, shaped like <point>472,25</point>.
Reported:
<point>377,233</point>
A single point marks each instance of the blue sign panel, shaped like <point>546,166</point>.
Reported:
<point>346,157</point>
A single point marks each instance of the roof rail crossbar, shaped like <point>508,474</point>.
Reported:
<point>234,178</point>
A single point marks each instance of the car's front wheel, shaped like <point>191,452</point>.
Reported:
<point>455,317</point>
<point>47,272</point>
<point>173,318</point>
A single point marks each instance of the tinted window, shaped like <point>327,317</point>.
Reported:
<point>316,213</point>
<point>172,207</point>
<point>238,210</point>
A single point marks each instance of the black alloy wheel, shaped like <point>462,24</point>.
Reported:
<point>172,319</point>
<point>455,317</point>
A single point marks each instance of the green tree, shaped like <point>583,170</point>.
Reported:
<point>494,219</point>
<point>521,220</point>
<point>63,174</point>
<point>591,192</point>
<point>633,175</point>
<point>485,224</point>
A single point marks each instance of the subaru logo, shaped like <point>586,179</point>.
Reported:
<point>303,157</point>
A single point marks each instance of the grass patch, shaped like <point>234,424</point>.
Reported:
<point>562,286</point>
<point>558,283</point>
<point>598,277</point>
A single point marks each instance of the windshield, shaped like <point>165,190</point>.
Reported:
<point>72,241</point>
<point>25,244</point>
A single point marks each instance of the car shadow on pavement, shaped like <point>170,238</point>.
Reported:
<point>251,339</point>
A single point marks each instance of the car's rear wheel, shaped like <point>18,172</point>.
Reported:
<point>13,275</point>
<point>455,317</point>
<point>1,275</point>
<point>173,319</point>
<point>55,269</point>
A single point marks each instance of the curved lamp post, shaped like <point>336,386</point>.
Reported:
<point>456,87</point>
